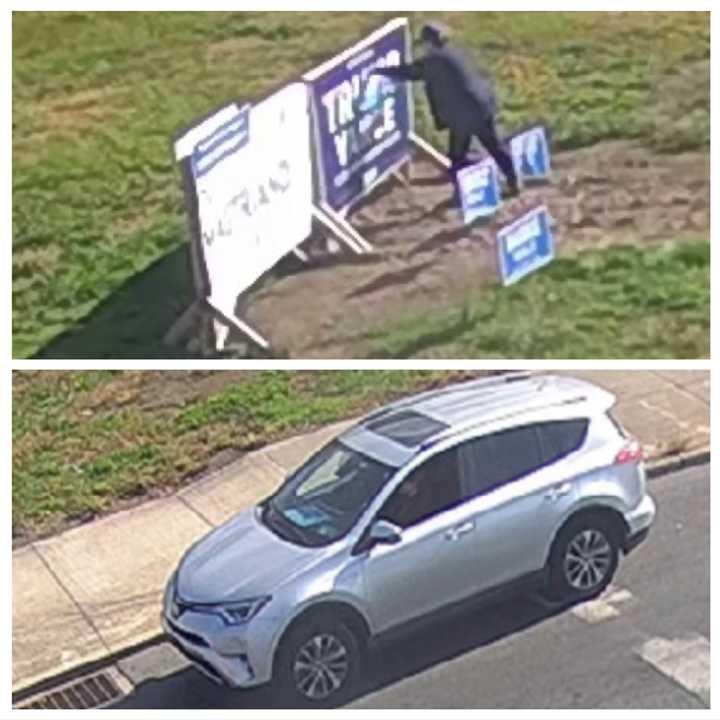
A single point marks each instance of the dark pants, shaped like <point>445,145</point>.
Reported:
<point>486,133</point>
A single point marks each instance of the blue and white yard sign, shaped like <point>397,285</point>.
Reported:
<point>531,154</point>
<point>525,245</point>
<point>479,190</point>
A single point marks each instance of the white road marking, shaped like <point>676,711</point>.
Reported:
<point>604,607</point>
<point>686,661</point>
<point>619,596</point>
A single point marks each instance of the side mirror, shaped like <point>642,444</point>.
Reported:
<point>383,532</point>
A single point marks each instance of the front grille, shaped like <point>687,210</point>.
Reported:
<point>191,637</point>
<point>93,691</point>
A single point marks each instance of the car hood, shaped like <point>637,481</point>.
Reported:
<point>241,559</point>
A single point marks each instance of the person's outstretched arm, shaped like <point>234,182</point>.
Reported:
<point>410,72</point>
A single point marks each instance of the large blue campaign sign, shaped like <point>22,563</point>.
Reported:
<point>362,121</point>
<point>531,154</point>
<point>479,190</point>
<point>525,245</point>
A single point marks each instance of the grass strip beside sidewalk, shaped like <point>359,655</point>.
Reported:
<point>89,442</point>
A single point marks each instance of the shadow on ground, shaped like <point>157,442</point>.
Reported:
<point>132,321</point>
<point>389,662</point>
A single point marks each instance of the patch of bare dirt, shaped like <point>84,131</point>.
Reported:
<point>77,110</point>
<point>608,194</point>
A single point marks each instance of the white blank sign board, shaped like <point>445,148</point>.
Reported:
<point>254,185</point>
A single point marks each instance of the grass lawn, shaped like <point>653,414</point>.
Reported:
<point>85,441</point>
<point>98,226</point>
<point>624,302</point>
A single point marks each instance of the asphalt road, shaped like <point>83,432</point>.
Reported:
<point>644,645</point>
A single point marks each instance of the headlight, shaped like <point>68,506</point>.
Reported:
<point>240,612</point>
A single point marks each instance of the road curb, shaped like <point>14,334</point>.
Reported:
<point>655,470</point>
<point>677,462</point>
<point>25,693</point>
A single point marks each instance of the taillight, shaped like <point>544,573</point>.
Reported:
<point>631,453</point>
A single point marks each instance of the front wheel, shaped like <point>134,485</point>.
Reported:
<point>584,558</point>
<point>319,665</point>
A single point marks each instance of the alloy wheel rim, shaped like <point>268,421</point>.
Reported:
<point>587,560</point>
<point>321,666</point>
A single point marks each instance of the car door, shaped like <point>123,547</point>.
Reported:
<point>518,493</point>
<point>428,567</point>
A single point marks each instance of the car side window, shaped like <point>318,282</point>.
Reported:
<point>429,489</point>
<point>561,438</point>
<point>491,461</point>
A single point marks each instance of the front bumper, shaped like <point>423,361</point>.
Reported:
<point>237,656</point>
<point>232,671</point>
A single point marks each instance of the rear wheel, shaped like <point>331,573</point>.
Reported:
<point>584,558</point>
<point>319,664</point>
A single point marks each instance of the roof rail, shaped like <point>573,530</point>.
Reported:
<point>470,424</point>
<point>502,379</point>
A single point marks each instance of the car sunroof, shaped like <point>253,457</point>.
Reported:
<point>406,427</point>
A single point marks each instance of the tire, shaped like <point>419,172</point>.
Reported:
<point>584,558</point>
<point>319,665</point>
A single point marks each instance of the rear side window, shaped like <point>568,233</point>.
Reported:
<point>562,438</point>
<point>491,461</point>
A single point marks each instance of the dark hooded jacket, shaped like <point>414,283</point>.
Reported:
<point>460,96</point>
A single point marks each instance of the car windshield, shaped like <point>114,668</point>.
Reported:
<point>322,500</point>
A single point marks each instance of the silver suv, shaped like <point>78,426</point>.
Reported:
<point>511,482</point>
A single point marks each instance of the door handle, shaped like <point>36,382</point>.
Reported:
<point>457,532</point>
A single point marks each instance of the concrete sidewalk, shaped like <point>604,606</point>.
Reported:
<point>96,589</point>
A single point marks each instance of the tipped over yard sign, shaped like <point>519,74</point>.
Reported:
<point>526,245</point>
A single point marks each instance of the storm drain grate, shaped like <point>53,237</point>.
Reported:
<point>93,691</point>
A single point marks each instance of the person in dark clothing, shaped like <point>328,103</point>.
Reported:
<point>462,100</point>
